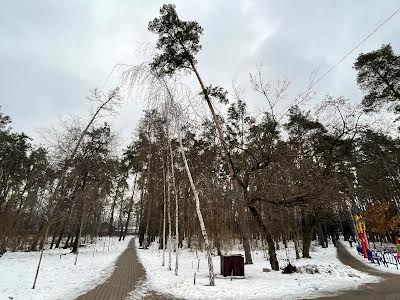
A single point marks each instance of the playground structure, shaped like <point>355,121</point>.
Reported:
<point>384,257</point>
<point>361,231</point>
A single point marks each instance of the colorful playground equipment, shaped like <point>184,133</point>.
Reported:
<point>383,257</point>
<point>361,230</point>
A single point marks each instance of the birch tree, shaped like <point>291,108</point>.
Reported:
<point>198,211</point>
<point>106,102</point>
<point>171,153</point>
<point>169,219</point>
<point>176,112</point>
<point>164,213</point>
<point>178,44</point>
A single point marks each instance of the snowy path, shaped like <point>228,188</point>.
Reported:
<point>332,276</point>
<point>59,278</point>
<point>126,280</point>
<point>388,288</point>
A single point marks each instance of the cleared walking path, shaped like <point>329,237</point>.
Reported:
<point>124,281</point>
<point>387,289</point>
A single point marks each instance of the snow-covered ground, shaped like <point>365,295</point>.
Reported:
<point>332,276</point>
<point>391,268</point>
<point>59,278</point>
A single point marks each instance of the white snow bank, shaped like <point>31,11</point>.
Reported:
<point>58,277</point>
<point>353,251</point>
<point>333,276</point>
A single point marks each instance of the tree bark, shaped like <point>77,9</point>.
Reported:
<point>245,240</point>
<point>199,214</point>
<point>78,240</point>
<point>169,220</point>
<point>148,199</point>
<point>308,226</point>
<point>41,255</point>
<point>234,176</point>
<point>128,218</point>
<point>176,209</point>
<point>267,234</point>
<point>111,222</point>
<point>164,214</point>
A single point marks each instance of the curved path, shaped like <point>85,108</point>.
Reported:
<point>125,281</point>
<point>128,276</point>
<point>387,289</point>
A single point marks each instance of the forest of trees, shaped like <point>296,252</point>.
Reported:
<point>208,181</point>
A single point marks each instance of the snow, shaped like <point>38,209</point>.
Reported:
<point>59,278</point>
<point>353,251</point>
<point>332,276</point>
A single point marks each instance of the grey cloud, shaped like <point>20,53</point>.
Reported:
<point>53,52</point>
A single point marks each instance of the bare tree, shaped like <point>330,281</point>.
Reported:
<point>199,214</point>
<point>106,102</point>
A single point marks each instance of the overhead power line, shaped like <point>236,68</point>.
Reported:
<point>352,50</point>
<point>313,83</point>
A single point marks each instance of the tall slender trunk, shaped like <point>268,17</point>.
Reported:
<point>199,214</point>
<point>37,236</point>
<point>139,219</point>
<point>81,210</point>
<point>56,195</point>
<point>243,234</point>
<point>41,255</point>
<point>246,246</point>
<point>111,222</point>
<point>53,237</point>
<point>148,199</point>
<point>19,207</point>
<point>169,220</point>
<point>233,176</point>
<point>176,209</point>
<point>61,234</point>
<point>120,223</point>
<point>78,242</point>
<point>128,218</point>
<point>296,248</point>
<point>308,225</point>
<point>267,234</point>
<point>164,213</point>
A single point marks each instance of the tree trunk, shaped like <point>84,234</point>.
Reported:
<point>164,214</point>
<point>61,234</point>
<point>36,238</point>
<point>78,240</point>
<point>75,245</point>
<point>233,176</point>
<point>139,220</point>
<point>245,240</point>
<point>111,222</point>
<point>199,215</point>
<point>296,248</point>
<point>247,251</point>
<point>267,234</point>
<point>41,255</point>
<point>66,245</point>
<point>120,223</point>
<point>169,221</point>
<point>148,199</point>
<point>308,226</point>
<point>176,210</point>
<point>53,238</point>
<point>128,218</point>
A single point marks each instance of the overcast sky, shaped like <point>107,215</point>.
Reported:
<point>53,52</point>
